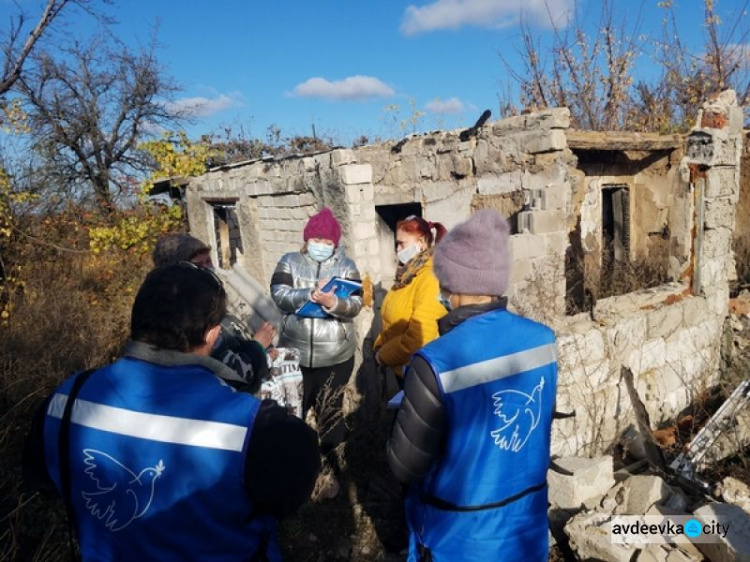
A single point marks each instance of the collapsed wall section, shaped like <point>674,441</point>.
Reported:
<point>669,336</point>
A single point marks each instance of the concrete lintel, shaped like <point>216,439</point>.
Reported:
<point>616,141</point>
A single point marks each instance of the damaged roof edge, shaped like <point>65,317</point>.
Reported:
<point>617,140</point>
<point>272,158</point>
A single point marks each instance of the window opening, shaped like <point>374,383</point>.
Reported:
<point>615,224</point>
<point>388,216</point>
<point>227,231</point>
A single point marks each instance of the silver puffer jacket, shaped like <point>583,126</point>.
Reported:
<point>321,341</point>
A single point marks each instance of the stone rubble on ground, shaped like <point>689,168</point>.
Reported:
<point>591,479</point>
<point>636,495</point>
<point>734,492</point>
<point>735,547</point>
<point>587,508</point>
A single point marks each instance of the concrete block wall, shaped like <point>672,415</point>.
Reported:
<point>668,339</point>
<point>668,336</point>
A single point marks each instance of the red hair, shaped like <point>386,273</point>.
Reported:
<point>421,227</point>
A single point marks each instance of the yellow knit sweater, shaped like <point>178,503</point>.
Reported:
<point>409,319</point>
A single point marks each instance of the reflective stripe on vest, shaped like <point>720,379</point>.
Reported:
<point>498,368</point>
<point>154,427</point>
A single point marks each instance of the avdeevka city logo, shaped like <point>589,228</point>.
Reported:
<point>693,528</point>
<point>658,529</point>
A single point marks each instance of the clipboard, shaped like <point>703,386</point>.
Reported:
<point>342,288</point>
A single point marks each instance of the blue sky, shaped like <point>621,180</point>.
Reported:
<point>337,64</point>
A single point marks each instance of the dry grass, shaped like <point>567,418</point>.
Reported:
<point>68,310</point>
<point>593,281</point>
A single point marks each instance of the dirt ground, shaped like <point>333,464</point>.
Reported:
<point>365,521</point>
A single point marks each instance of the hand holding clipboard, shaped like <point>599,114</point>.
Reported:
<point>341,288</point>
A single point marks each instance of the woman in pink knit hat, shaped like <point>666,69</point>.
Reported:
<point>327,342</point>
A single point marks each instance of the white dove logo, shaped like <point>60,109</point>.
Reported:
<point>121,495</point>
<point>519,413</point>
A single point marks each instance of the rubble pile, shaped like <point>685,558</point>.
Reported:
<point>587,494</point>
<point>584,503</point>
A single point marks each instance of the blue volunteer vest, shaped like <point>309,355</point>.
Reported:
<point>485,497</point>
<point>157,457</point>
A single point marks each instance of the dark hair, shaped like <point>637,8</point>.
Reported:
<point>175,307</point>
<point>417,225</point>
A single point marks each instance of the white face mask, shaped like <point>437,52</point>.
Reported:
<point>319,252</point>
<point>408,253</point>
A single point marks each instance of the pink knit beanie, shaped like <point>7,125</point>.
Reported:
<point>474,258</point>
<point>323,225</point>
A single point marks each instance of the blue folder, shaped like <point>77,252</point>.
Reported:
<point>342,287</point>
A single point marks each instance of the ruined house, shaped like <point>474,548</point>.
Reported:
<point>584,208</point>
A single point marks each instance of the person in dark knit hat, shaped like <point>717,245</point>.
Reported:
<point>326,344</point>
<point>237,348</point>
<point>472,433</point>
<point>174,248</point>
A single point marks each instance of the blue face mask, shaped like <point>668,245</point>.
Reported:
<point>319,252</point>
<point>445,302</point>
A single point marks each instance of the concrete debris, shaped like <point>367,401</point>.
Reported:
<point>586,526</point>
<point>558,518</point>
<point>734,492</point>
<point>590,539</point>
<point>589,535</point>
<point>667,553</point>
<point>636,495</point>
<point>735,546</point>
<point>591,479</point>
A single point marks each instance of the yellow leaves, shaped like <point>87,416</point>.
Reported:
<point>13,117</point>
<point>177,157</point>
<point>136,231</point>
<point>9,198</point>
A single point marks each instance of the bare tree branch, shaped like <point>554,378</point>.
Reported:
<point>90,108</point>
<point>14,61</point>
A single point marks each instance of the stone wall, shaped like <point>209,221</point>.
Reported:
<point>524,167</point>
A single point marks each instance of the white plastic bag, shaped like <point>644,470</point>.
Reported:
<point>284,382</point>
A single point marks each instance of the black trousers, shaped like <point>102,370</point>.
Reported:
<point>323,391</point>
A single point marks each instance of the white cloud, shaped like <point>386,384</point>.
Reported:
<point>203,107</point>
<point>351,88</point>
<point>455,14</point>
<point>445,107</point>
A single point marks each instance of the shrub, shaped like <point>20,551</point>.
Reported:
<point>66,308</point>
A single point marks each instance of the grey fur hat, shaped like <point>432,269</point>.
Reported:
<point>474,258</point>
<point>173,248</point>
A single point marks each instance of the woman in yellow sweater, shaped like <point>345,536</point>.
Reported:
<point>411,308</point>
